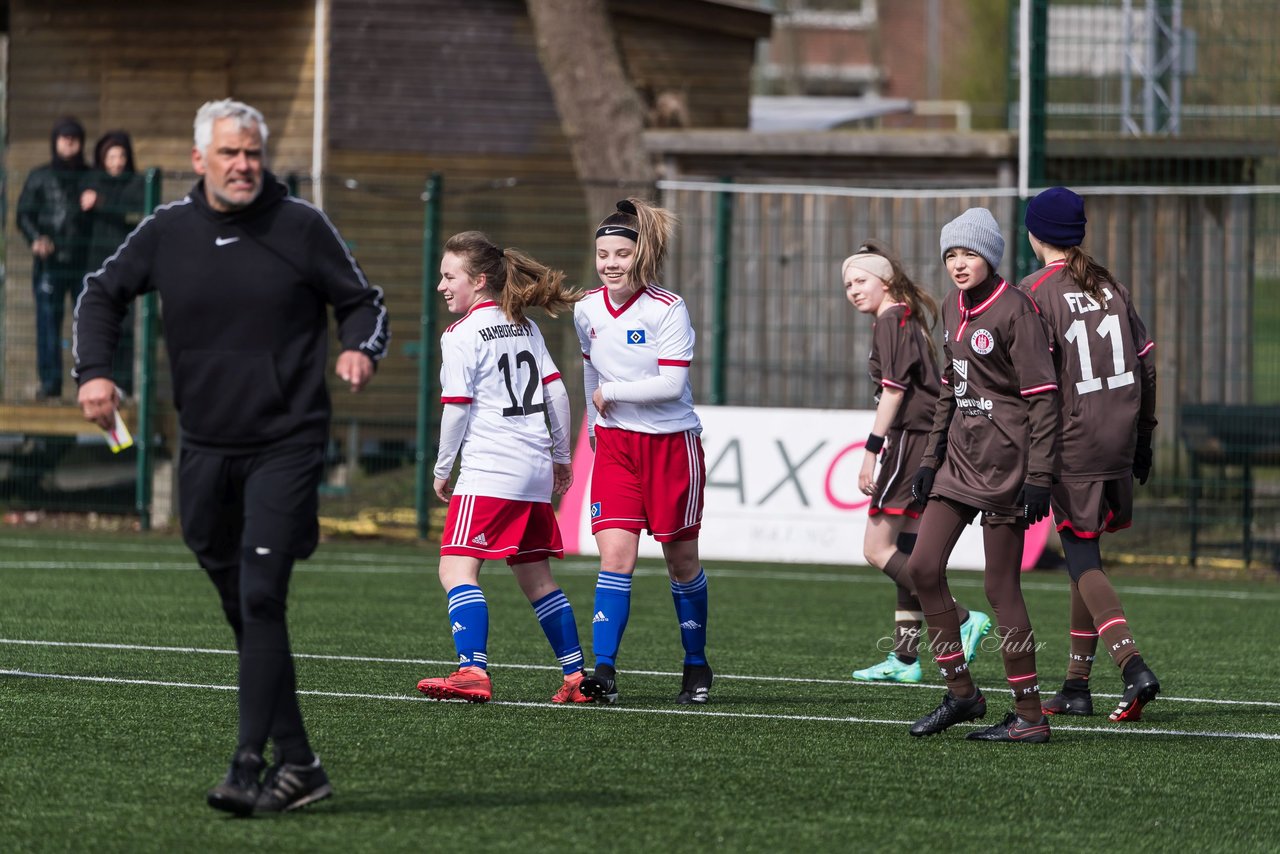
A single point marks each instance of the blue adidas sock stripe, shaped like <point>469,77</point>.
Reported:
<point>469,622</point>
<point>691,612</point>
<point>609,618</point>
<point>555,615</point>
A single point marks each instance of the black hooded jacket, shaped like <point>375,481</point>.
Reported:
<point>49,205</point>
<point>120,201</point>
<point>244,301</point>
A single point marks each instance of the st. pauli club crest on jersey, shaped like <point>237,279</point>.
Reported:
<point>982,342</point>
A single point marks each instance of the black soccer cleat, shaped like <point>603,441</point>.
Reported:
<point>1141,688</point>
<point>290,787</point>
<point>238,793</point>
<point>1069,701</point>
<point>601,686</point>
<point>1014,729</point>
<point>951,711</point>
<point>695,689</point>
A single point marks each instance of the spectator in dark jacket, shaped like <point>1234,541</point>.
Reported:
<point>50,218</point>
<point>113,201</point>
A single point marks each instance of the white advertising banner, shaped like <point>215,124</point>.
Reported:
<point>782,487</point>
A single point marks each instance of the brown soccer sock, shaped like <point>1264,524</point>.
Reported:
<point>1084,637</point>
<point>948,653</point>
<point>1018,645</point>
<point>1108,615</point>
<point>895,567</point>
<point>1002,545</point>
<point>907,617</point>
<point>906,626</point>
<point>939,530</point>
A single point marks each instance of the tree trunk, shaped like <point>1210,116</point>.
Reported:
<point>601,113</point>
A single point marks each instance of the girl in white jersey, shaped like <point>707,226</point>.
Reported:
<point>498,387</point>
<point>649,471</point>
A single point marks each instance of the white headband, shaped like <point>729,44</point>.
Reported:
<point>869,262</point>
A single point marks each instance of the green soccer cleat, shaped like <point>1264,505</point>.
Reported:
<point>890,670</point>
<point>972,632</point>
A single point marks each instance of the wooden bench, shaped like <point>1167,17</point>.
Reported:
<point>46,419</point>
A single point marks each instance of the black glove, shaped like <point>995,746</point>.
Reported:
<point>1035,502</point>
<point>922,484</point>
<point>1142,460</point>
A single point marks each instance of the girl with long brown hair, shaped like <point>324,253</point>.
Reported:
<point>498,386</point>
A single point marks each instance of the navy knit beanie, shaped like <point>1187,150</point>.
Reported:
<point>975,229</point>
<point>1056,217</point>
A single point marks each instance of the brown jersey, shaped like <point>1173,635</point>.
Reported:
<point>1000,421</point>
<point>900,359</point>
<point>1106,373</point>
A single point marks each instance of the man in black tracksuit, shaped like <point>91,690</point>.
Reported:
<point>245,274</point>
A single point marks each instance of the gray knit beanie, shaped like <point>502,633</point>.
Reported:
<point>978,230</point>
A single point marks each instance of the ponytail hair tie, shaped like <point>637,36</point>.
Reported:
<point>627,206</point>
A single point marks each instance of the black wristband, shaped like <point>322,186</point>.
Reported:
<point>875,443</point>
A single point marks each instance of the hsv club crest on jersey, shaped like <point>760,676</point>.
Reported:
<point>625,347</point>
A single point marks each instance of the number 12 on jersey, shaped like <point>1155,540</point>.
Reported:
<point>526,406</point>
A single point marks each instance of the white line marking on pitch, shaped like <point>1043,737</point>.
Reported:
<point>512,666</point>
<point>398,565</point>
<point>1120,730</point>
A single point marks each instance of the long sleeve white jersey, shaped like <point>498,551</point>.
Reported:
<point>500,370</point>
<point>628,347</point>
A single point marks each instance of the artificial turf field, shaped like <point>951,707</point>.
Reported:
<point>117,711</point>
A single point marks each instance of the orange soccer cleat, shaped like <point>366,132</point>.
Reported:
<point>571,690</point>
<point>469,683</point>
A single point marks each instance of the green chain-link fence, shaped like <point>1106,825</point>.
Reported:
<point>1162,114</point>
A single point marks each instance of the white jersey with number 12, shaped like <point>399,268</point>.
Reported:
<point>500,368</point>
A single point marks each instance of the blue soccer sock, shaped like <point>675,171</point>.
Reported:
<point>613,606</point>
<point>691,612</point>
<point>469,622</point>
<point>555,614</point>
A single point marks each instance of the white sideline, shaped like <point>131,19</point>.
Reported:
<point>512,666</point>
<point>1118,730</point>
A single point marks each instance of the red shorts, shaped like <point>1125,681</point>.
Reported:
<point>648,480</point>
<point>483,527</point>
<point>1089,509</point>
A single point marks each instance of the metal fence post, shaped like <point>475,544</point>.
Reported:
<point>146,379</point>
<point>426,349</point>
<point>720,297</point>
<point>1025,262</point>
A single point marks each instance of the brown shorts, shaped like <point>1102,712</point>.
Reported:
<point>990,518</point>
<point>899,462</point>
<point>1090,509</point>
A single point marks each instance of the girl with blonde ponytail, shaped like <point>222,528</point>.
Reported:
<point>903,366</point>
